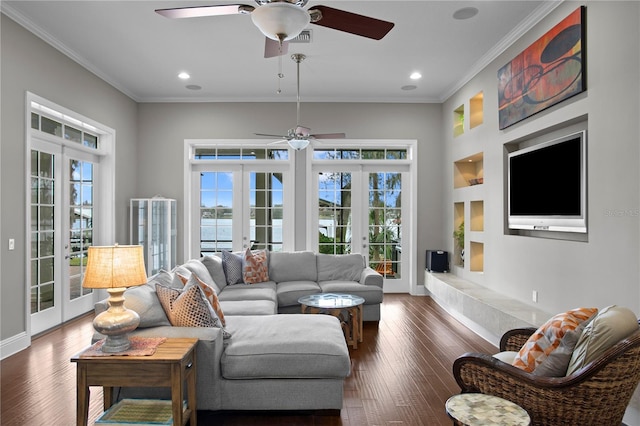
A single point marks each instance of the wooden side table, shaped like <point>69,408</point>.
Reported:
<point>477,409</point>
<point>173,364</point>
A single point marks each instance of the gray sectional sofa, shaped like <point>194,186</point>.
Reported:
<point>268,361</point>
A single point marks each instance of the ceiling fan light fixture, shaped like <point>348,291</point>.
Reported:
<point>298,144</point>
<point>280,21</point>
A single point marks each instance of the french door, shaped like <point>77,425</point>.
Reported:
<point>62,227</point>
<point>240,206</point>
<point>359,209</point>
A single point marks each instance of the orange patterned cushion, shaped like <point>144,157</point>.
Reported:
<point>256,269</point>
<point>549,349</point>
<point>212,297</point>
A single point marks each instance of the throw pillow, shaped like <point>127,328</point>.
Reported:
<point>188,307</point>
<point>548,350</point>
<point>232,265</point>
<point>611,325</point>
<point>255,268</point>
<point>214,266</point>
<point>212,297</point>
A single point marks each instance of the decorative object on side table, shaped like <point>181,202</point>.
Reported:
<point>115,268</point>
<point>477,409</point>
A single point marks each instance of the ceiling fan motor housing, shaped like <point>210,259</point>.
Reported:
<point>280,21</point>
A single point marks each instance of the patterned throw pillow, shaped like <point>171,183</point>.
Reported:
<point>255,267</point>
<point>210,293</point>
<point>549,349</point>
<point>232,265</point>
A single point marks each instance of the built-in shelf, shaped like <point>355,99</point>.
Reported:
<point>458,220</point>
<point>476,113</point>
<point>476,213</point>
<point>469,171</point>
<point>458,121</point>
<point>476,257</point>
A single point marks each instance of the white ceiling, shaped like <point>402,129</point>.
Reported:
<point>140,52</point>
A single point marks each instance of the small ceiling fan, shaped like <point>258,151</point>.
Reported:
<point>282,20</point>
<point>299,137</point>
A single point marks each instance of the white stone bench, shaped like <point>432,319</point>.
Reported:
<point>485,311</point>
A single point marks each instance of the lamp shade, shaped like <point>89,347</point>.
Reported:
<point>280,21</point>
<point>115,267</point>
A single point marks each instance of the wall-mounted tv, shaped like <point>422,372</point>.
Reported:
<point>547,185</point>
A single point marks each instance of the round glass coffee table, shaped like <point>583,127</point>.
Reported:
<point>477,409</point>
<point>346,307</point>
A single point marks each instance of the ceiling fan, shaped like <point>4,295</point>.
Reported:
<point>282,20</point>
<point>299,137</point>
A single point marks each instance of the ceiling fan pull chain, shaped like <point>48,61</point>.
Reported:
<point>280,75</point>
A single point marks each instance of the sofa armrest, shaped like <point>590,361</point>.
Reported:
<point>369,276</point>
<point>101,306</point>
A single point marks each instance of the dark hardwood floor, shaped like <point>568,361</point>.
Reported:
<point>401,374</point>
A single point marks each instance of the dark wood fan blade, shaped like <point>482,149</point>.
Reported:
<point>272,48</point>
<point>270,136</point>
<point>353,23</point>
<point>329,136</point>
<point>198,11</point>
<point>301,130</point>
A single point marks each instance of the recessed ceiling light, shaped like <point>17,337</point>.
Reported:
<point>184,76</point>
<point>415,75</point>
<point>193,87</point>
<point>465,13</point>
<point>409,87</point>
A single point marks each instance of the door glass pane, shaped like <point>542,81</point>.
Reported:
<point>334,212</point>
<point>42,230</point>
<point>80,223</point>
<point>216,212</point>
<point>265,202</point>
<point>385,223</point>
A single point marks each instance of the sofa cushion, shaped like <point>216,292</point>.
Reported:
<point>371,294</point>
<point>548,350</point>
<point>260,291</point>
<point>285,346</point>
<point>195,266</point>
<point>254,267</point>
<point>249,307</point>
<point>611,325</point>
<point>232,265</point>
<point>341,267</point>
<point>216,270</point>
<point>289,292</point>
<point>145,303</point>
<point>292,266</point>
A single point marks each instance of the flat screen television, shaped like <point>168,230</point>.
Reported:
<point>547,185</point>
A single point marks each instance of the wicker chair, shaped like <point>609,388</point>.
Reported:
<point>597,394</point>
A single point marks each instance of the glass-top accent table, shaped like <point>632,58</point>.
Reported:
<point>346,307</point>
<point>477,409</point>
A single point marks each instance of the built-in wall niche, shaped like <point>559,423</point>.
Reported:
<point>476,213</point>
<point>476,113</point>
<point>458,121</point>
<point>468,171</point>
<point>476,257</point>
<point>458,225</point>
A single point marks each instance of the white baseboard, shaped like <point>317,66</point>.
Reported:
<point>14,344</point>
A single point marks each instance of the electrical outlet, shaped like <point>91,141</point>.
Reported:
<point>534,296</point>
<point>12,244</point>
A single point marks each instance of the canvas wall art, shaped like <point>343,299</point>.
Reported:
<point>549,71</point>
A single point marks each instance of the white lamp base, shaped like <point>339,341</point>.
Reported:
<point>116,322</point>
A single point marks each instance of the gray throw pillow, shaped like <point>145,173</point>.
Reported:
<point>216,270</point>
<point>232,265</point>
<point>143,300</point>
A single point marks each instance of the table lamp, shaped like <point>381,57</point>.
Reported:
<point>115,268</point>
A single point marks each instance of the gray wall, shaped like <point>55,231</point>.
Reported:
<point>566,274</point>
<point>29,64</point>
<point>164,127</point>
